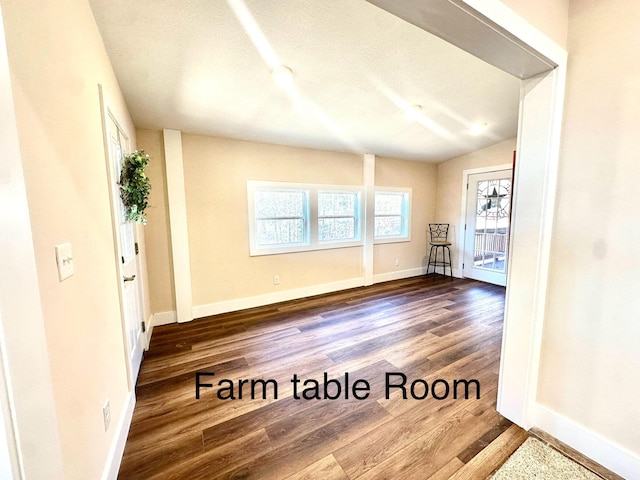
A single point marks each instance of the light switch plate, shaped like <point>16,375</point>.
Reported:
<point>64,259</point>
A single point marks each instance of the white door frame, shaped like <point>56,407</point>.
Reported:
<point>131,363</point>
<point>466,174</point>
<point>494,33</point>
<point>463,208</point>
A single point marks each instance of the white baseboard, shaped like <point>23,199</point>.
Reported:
<point>163,318</point>
<point>116,451</point>
<point>225,306</point>
<point>413,272</point>
<point>155,320</point>
<point>399,275</point>
<point>148,332</point>
<point>599,449</point>
<point>200,311</point>
<point>234,305</point>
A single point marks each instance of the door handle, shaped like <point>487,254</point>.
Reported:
<point>129,279</point>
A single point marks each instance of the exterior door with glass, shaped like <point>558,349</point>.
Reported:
<point>486,242</point>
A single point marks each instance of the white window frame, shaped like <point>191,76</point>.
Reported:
<point>311,234</point>
<point>405,236</point>
<point>357,215</point>
<point>304,218</point>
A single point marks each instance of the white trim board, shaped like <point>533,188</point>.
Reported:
<point>176,199</point>
<point>234,305</point>
<point>163,318</point>
<point>148,332</point>
<point>411,272</point>
<point>114,459</point>
<point>399,274</point>
<point>226,306</point>
<point>601,450</point>
<point>369,181</point>
<point>200,311</point>
<point>156,320</point>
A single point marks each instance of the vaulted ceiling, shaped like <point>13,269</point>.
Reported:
<point>205,67</point>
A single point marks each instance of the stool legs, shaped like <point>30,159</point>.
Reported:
<point>444,271</point>
<point>446,260</point>
<point>429,263</point>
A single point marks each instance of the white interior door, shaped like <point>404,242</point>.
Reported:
<point>129,282</point>
<point>486,240</point>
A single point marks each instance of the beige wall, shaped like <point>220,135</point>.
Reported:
<point>216,175</point>
<point>590,350</point>
<point>57,59</point>
<point>449,196</point>
<point>421,178</point>
<point>548,16</point>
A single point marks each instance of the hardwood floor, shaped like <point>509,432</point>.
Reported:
<point>427,328</point>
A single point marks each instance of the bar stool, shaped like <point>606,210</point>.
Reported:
<point>439,233</point>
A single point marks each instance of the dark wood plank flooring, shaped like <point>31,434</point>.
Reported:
<point>426,328</point>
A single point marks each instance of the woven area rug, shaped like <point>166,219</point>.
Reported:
<point>536,460</point>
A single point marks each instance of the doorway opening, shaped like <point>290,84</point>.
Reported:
<point>493,33</point>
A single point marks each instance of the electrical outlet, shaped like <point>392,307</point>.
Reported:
<point>106,415</point>
<point>276,280</point>
<point>397,262</point>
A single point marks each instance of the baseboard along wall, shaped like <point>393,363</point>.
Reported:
<point>226,306</point>
<point>589,443</point>
<point>116,451</point>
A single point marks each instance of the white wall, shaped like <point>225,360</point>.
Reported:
<point>548,16</point>
<point>590,361</point>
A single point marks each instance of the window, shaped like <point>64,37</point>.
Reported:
<point>280,217</point>
<point>287,217</point>
<point>392,215</point>
<point>338,216</point>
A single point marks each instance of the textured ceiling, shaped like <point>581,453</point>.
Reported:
<point>204,66</point>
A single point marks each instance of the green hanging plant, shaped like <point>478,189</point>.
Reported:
<point>135,186</point>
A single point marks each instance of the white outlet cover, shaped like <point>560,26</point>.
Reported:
<point>106,415</point>
<point>64,260</point>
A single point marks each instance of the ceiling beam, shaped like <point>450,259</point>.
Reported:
<point>482,37</point>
